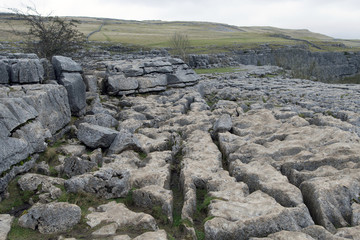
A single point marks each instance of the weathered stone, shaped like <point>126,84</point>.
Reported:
<point>35,135</point>
<point>51,218</point>
<point>5,225</point>
<point>329,198</point>
<point>76,90</point>
<point>116,83</point>
<point>355,216</point>
<point>285,235</point>
<point>262,176</point>
<point>4,75</point>
<point>154,196</point>
<point>76,166</point>
<point>256,215</point>
<point>101,119</point>
<point>124,140</point>
<point>320,233</point>
<point>64,64</point>
<point>107,183</point>
<point>72,150</point>
<point>123,217</point>
<point>223,124</point>
<point>95,136</point>
<point>31,181</point>
<point>26,71</point>
<point>106,230</point>
<point>12,151</point>
<point>91,83</point>
<point>157,235</point>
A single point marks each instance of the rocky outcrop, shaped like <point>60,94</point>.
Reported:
<point>147,75</point>
<point>21,69</point>
<point>324,66</point>
<point>51,218</point>
<point>30,115</point>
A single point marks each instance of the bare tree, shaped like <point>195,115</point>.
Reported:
<point>180,44</point>
<point>49,36</point>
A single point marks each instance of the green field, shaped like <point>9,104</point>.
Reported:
<point>204,37</point>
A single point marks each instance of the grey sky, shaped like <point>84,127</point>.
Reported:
<point>335,18</point>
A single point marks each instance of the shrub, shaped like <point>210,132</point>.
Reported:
<point>180,44</point>
<point>49,36</point>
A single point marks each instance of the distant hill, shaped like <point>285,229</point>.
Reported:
<point>205,37</point>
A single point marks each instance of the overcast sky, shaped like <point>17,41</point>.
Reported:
<point>335,18</point>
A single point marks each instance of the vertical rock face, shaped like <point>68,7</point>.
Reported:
<point>30,115</point>
<point>68,73</point>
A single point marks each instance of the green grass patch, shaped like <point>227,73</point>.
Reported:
<point>218,70</point>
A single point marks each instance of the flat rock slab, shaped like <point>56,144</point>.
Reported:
<point>118,213</point>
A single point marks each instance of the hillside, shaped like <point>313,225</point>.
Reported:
<point>205,37</point>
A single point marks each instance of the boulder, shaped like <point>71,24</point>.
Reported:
<point>124,140</point>
<point>64,64</point>
<point>223,124</point>
<point>5,225</point>
<point>101,119</point>
<point>106,183</point>
<point>51,218</point>
<point>76,90</point>
<point>76,166</point>
<point>95,136</point>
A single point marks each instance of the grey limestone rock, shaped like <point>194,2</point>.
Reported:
<point>155,196</point>
<point>4,74</point>
<point>223,124</point>
<point>124,140</point>
<point>51,218</point>
<point>76,90</point>
<point>329,198</point>
<point>101,119</point>
<point>119,214</point>
<point>95,136</point>
<point>5,225</point>
<point>64,64</point>
<point>26,71</point>
<point>157,235</point>
<point>76,166</point>
<point>107,183</point>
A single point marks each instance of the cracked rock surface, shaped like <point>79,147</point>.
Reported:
<point>245,155</point>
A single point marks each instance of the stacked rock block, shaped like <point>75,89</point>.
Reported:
<point>68,73</point>
<point>21,69</point>
<point>126,77</point>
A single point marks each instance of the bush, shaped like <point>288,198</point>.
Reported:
<point>180,44</point>
<point>49,36</point>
